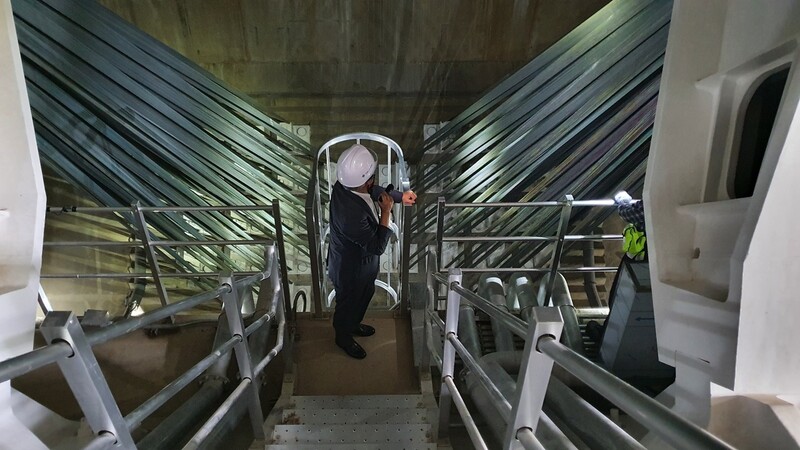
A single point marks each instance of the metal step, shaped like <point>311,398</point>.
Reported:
<point>352,446</point>
<point>356,402</point>
<point>395,434</point>
<point>356,416</point>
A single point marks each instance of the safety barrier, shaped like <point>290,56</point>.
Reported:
<point>523,410</point>
<point>147,240</point>
<point>71,348</point>
<point>558,240</point>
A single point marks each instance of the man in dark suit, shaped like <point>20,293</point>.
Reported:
<point>359,234</point>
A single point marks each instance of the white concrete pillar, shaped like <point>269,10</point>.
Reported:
<point>22,204</point>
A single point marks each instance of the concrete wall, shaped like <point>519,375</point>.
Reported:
<point>359,65</point>
<point>723,268</point>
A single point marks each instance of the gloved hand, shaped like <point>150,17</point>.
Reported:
<point>622,197</point>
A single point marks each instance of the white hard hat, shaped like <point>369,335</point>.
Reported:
<point>356,165</point>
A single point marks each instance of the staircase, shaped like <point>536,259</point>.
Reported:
<point>331,401</point>
<point>385,422</point>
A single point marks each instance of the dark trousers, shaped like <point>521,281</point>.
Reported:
<point>353,294</point>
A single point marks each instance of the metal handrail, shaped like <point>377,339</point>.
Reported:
<point>569,237</point>
<point>58,350</point>
<point>558,240</point>
<point>216,417</point>
<point>135,418</point>
<point>137,275</point>
<point>100,209</point>
<point>42,356</point>
<point>461,406</point>
<point>602,202</point>
<point>673,428</point>
<point>539,269</point>
<point>670,426</point>
<point>513,323</point>
<point>159,243</point>
<point>145,240</point>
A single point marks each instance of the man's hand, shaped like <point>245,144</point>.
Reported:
<point>409,198</point>
<point>385,202</point>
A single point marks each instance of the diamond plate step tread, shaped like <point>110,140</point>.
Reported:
<point>395,434</point>
<point>356,416</point>
<point>355,402</point>
<point>352,447</point>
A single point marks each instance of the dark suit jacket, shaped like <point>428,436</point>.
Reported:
<point>357,240</point>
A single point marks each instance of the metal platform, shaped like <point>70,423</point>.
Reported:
<point>354,422</point>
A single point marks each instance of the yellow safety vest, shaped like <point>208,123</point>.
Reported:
<point>634,242</point>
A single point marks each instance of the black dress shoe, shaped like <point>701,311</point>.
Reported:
<point>364,330</point>
<point>352,349</point>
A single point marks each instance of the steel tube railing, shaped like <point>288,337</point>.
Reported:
<point>94,209</point>
<point>593,427</point>
<point>515,324</point>
<point>278,345</point>
<point>157,243</point>
<point>493,243</point>
<point>469,423</point>
<point>472,364</point>
<point>135,418</point>
<point>34,359</point>
<point>57,350</point>
<point>215,418</point>
<point>436,320</point>
<point>101,442</point>
<point>134,323</point>
<point>569,237</point>
<point>93,244</point>
<point>138,275</point>
<point>502,205</point>
<point>593,237</point>
<point>539,270</point>
<point>671,427</point>
<point>253,327</point>
<point>497,238</point>
<point>53,352</point>
<point>529,204</point>
<point>528,440</point>
<point>205,208</point>
<point>147,240</point>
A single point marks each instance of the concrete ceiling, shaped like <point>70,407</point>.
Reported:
<point>384,66</point>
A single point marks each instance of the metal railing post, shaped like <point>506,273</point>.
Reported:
<point>314,248</point>
<point>439,233</point>
<point>430,289</point>
<point>563,223</point>
<point>405,263</point>
<point>276,214</point>
<point>152,258</point>
<point>534,375</point>
<point>232,312</point>
<point>449,352</point>
<point>86,380</point>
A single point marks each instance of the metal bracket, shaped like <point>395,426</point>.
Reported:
<point>85,378</point>
<point>242,350</point>
<point>534,375</point>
